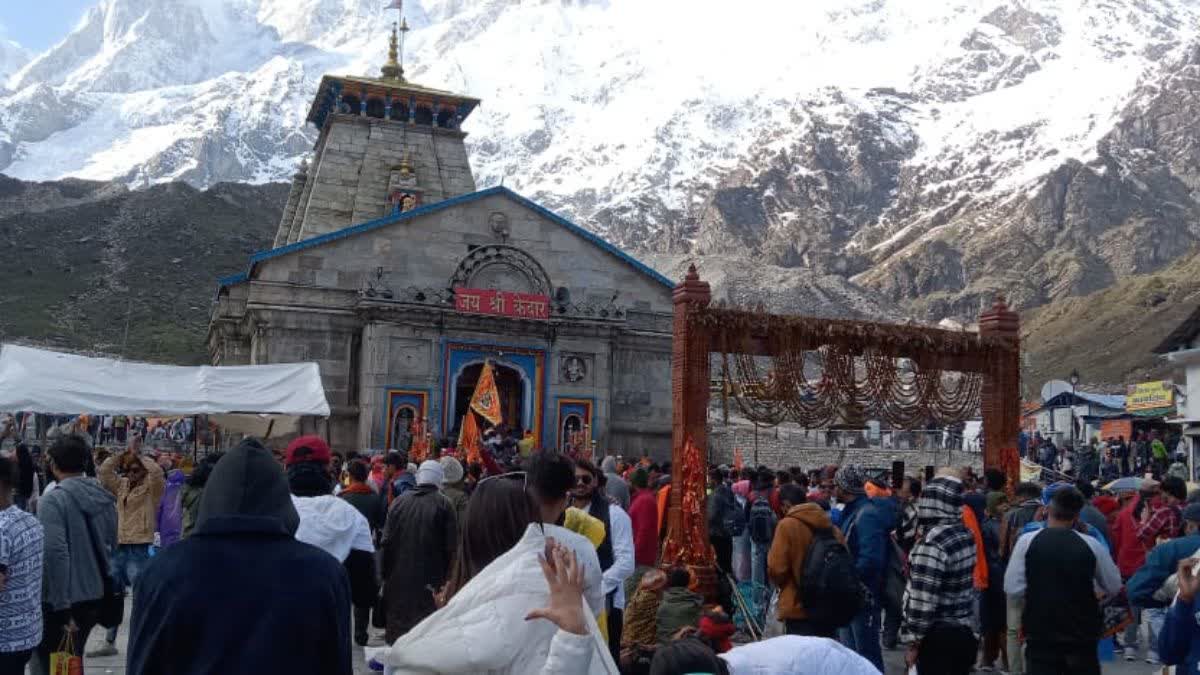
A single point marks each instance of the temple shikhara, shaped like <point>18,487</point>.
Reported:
<point>404,282</point>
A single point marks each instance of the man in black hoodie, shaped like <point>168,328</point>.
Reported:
<point>242,595</point>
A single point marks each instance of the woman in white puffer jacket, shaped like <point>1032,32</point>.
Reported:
<point>522,613</point>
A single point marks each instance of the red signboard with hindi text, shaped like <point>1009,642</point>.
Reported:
<point>502,303</point>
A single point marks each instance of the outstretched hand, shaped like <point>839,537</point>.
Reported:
<point>564,575</point>
<point>1189,581</point>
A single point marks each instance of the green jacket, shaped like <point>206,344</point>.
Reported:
<point>679,608</point>
<point>189,498</point>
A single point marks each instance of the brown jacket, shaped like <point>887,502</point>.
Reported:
<point>137,509</point>
<point>785,561</point>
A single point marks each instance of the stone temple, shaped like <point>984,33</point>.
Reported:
<point>400,278</point>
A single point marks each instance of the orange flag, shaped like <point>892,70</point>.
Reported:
<point>486,399</point>
<point>737,459</point>
<point>469,438</point>
<point>420,443</point>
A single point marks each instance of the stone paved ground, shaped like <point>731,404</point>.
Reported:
<point>115,665</point>
<point>894,661</point>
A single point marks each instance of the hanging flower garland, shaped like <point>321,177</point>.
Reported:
<point>824,372</point>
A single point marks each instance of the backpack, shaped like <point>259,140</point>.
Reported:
<point>830,589</point>
<point>762,520</point>
<point>734,518</point>
<point>895,577</point>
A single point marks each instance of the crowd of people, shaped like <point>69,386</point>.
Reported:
<point>258,560</point>
<point>1147,452</point>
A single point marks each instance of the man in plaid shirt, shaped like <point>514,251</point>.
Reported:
<point>1165,521</point>
<point>939,599</point>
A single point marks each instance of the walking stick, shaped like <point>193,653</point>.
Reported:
<point>751,623</point>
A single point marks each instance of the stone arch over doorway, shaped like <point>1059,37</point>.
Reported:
<point>501,267</point>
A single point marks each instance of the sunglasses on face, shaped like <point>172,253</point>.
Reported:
<point>583,479</point>
<point>511,475</point>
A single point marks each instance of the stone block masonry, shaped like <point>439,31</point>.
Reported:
<point>790,449</point>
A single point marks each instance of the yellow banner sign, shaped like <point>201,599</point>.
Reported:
<point>1149,395</point>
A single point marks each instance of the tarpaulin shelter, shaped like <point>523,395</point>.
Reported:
<point>239,398</point>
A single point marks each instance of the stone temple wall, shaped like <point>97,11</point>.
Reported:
<point>785,449</point>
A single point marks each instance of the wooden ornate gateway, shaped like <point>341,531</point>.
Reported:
<point>823,372</point>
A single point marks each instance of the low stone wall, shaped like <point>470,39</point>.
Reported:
<point>779,449</point>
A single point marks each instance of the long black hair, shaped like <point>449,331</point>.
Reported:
<point>687,656</point>
<point>24,471</point>
<point>499,512</point>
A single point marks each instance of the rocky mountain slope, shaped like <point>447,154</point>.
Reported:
<point>932,152</point>
<point>97,266</point>
<point>1109,335</point>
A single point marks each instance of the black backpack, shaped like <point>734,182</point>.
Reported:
<point>733,516</point>
<point>830,589</point>
<point>762,520</point>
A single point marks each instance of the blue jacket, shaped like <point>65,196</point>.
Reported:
<point>867,523</point>
<point>1161,562</point>
<point>1179,639</point>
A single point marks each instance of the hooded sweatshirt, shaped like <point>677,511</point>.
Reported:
<point>72,570</point>
<point>789,548</point>
<point>170,510</point>
<point>941,585</point>
<point>274,590</point>
<point>616,487</point>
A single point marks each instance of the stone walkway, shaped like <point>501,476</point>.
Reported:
<point>115,665</point>
<point>894,660</point>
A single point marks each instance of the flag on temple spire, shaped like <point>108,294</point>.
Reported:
<point>396,4</point>
<point>486,399</point>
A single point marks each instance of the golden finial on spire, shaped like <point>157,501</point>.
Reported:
<point>392,70</point>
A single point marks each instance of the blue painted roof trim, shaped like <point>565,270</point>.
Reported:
<point>233,279</point>
<point>320,240</point>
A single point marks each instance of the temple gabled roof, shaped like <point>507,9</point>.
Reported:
<point>313,242</point>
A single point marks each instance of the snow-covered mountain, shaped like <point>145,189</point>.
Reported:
<point>12,57</point>
<point>936,152</point>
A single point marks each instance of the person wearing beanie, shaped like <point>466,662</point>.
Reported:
<point>242,580</point>
<point>453,488</point>
<point>866,526</point>
<point>419,539</point>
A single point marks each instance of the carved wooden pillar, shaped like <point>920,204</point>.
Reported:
<point>1002,392</point>
<point>690,346</point>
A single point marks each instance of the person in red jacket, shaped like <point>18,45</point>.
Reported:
<point>643,513</point>
<point>1130,552</point>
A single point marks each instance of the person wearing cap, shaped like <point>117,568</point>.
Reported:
<point>1061,573</point>
<point>242,594</point>
<point>419,539</point>
<point>453,488</point>
<point>866,526</point>
<point>331,523</point>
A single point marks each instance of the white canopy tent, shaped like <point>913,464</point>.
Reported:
<point>239,398</point>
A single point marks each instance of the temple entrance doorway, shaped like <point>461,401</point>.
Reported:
<point>510,385</point>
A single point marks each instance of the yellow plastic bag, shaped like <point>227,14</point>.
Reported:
<point>63,660</point>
